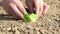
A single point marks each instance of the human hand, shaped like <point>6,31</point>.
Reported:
<point>14,8</point>
<point>40,7</point>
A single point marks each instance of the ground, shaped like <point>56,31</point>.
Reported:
<point>47,24</point>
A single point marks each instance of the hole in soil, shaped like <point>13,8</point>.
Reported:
<point>34,29</point>
<point>59,16</point>
<point>10,30</point>
<point>40,32</point>
<point>58,21</point>
<point>13,32</point>
<point>47,33</point>
<point>53,32</point>
<point>53,29</point>
<point>53,15</point>
<point>28,32</point>
<point>58,6</point>
<point>17,25</point>
<point>58,0</point>
<point>59,26</point>
<point>28,28</point>
<point>55,19</point>
<point>57,30</point>
<point>41,25</point>
<point>55,26</point>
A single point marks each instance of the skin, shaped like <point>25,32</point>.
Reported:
<point>17,10</point>
<point>14,8</point>
<point>40,7</point>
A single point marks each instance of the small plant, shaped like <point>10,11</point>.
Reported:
<point>30,17</point>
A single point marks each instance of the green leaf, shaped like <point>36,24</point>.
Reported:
<point>26,16</point>
<point>30,17</point>
<point>35,16</point>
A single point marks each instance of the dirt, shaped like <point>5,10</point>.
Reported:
<point>47,24</point>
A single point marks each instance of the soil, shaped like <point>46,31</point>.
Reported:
<point>47,24</point>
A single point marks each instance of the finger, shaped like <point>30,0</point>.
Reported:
<point>20,6</point>
<point>36,2</point>
<point>40,9</point>
<point>1,0</point>
<point>29,4</point>
<point>45,8</point>
<point>16,11</point>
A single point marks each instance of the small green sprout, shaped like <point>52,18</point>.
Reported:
<point>30,17</point>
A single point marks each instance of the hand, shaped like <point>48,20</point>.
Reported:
<point>40,7</point>
<point>14,8</point>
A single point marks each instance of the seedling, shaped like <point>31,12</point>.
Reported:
<point>30,17</point>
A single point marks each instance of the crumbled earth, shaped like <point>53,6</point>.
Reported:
<point>47,24</point>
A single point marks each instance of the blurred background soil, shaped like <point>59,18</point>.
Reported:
<point>47,24</point>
